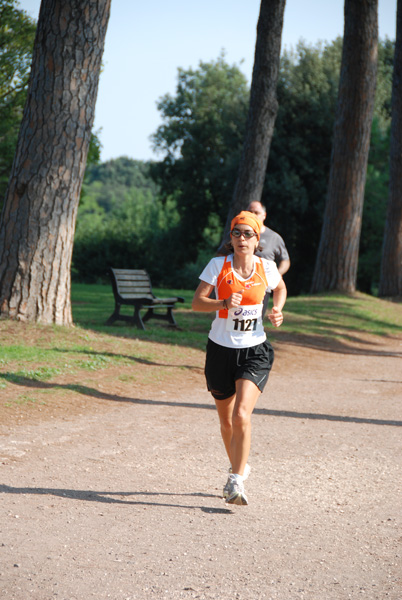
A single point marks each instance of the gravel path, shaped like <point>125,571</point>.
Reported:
<point>121,499</point>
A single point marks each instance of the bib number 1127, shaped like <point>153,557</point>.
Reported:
<point>244,324</point>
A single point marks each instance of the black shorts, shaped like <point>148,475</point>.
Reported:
<point>223,366</point>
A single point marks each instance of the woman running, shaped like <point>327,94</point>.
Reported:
<point>239,357</point>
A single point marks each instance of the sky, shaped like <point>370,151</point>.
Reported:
<point>147,42</point>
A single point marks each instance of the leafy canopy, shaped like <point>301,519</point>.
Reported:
<point>201,139</point>
<point>17,34</point>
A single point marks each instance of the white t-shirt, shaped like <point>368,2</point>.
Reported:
<point>243,326</point>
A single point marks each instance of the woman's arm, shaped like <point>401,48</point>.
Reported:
<point>279,299</point>
<point>202,302</point>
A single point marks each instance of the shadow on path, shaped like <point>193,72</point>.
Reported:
<point>105,497</point>
<point>92,392</point>
<point>324,417</point>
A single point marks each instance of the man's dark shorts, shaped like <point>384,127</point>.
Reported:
<point>223,366</point>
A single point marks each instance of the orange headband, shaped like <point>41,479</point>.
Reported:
<point>247,218</point>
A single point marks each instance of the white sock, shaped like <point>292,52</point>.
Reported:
<point>239,478</point>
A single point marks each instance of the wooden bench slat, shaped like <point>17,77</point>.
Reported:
<point>137,297</point>
<point>133,289</point>
<point>130,280</point>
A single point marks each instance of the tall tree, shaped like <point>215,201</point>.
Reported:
<point>391,262</point>
<point>337,257</point>
<point>263,108</point>
<point>39,213</point>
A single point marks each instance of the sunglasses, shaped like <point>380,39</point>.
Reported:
<point>247,234</point>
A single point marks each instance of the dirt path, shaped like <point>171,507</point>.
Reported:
<point>119,497</point>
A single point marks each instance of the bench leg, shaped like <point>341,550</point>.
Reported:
<point>148,315</point>
<point>134,320</point>
<point>137,320</point>
<point>168,316</point>
<point>114,316</point>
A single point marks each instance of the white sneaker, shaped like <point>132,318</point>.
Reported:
<point>236,494</point>
<point>246,473</point>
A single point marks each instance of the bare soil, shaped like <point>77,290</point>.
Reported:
<point>111,481</point>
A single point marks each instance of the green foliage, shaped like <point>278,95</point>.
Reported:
<point>108,183</point>
<point>17,34</point>
<point>94,151</point>
<point>374,211</point>
<point>298,166</point>
<point>377,183</point>
<point>299,163</point>
<point>201,139</point>
<point>382,105</point>
<point>168,216</point>
<point>122,223</point>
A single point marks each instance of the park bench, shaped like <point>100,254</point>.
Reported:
<point>133,287</point>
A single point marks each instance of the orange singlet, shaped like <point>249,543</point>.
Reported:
<point>253,288</point>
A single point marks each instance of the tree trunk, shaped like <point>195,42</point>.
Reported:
<point>337,258</point>
<point>391,263</point>
<point>262,109</point>
<point>39,213</point>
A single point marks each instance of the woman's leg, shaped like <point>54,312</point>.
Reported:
<point>247,394</point>
<point>225,411</point>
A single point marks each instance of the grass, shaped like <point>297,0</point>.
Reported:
<point>24,399</point>
<point>38,353</point>
<point>327,315</point>
<point>40,374</point>
<point>340,316</point>
<point>93,304</point>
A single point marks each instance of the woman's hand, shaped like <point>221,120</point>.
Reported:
<point>276,316</point>
<point>234,300</point>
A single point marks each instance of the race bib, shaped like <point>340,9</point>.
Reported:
<point>245,319</point>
